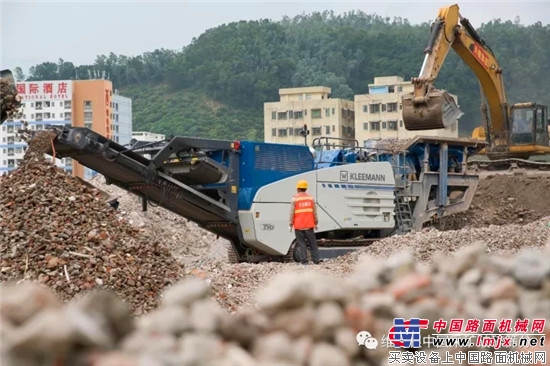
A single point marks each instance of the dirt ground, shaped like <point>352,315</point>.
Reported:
<point>502,200</point>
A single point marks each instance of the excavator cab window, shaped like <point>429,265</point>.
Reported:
<point>529,126</point>
<point>523,126</point>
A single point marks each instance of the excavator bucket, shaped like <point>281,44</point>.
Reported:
<point>435,111</point>
<point>10,101</point>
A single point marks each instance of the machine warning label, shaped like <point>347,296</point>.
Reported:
<point>346,176</point>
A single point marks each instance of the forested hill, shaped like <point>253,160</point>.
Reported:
<point>216,85</point>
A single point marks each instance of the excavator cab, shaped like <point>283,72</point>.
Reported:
<point>529,124</point>
<point>10,102</point>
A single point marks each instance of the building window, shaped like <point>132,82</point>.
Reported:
<point>87,105</point>
<point>281,115</point>
<point>298,115</point>
<point>327,112</point>
<point>88,117</point>
<point>391,89</point>
<point>374,108</point>
<point>392,125</point>
<point>333,111</point>
<point>282,132</point>
<point>290,131</point>
<point>273,115</point>
<point>365,109</point>
<point>308,96</point>
<point>333,128</point>
<point>383,125</point>
<point>392,107</point>
<point>316,131</point>
<point>297,131</point>
<point>400,123</point>
<point>327,130</point>
<point>316,113</point>
<point>375,126</point>
<point>399,89</point>
<point>366,126</point>
<point>383,107</point>
<point>273,132</point>
<point>67,104</point>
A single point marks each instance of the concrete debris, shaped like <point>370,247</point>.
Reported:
<point>294,326</point>
<point>59,232</point>
<point>188,243</point>
<point>8,99</point>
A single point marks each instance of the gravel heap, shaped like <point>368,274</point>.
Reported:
<point>234,285</point>
<point>504,199</point>
<point>187,242</point>
<point>58,231</point>
<point>8,99</point>
<point>424,244</point>
<point>310,319</point>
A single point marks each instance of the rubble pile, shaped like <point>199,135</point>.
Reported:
<point>234,285</point>
<point>310,319</point>
<point>425,243</point>
<point>58,231</point>
<point>504,199</point>
<point>8,98</point>
<point>187,242</point>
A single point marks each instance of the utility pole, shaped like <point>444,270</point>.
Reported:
<point>304,132</point>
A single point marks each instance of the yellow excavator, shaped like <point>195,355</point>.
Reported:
<point>10,102</point>
<point>514,133</point>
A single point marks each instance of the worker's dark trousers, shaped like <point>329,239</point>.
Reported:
<point>301,237</point>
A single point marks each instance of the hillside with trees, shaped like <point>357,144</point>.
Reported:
<point>216,86</point>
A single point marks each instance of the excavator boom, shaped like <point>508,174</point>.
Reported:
<point>512,132</point>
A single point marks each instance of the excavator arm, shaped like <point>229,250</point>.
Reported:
<point>429,108</point>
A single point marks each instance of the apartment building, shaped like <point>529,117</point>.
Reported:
<point>379,114</point>
<point>310,106</point>
<point>78,103</point>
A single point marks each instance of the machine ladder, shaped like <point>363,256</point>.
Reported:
<point>403,213</point>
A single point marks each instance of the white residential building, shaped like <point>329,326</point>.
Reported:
<point>77,103</point>
<point>379,114</point>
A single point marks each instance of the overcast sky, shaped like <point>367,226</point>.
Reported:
<point>38,31</point>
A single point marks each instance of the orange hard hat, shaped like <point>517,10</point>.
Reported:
<point>301,184</point>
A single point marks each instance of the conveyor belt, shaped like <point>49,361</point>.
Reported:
<point>135,173</point>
